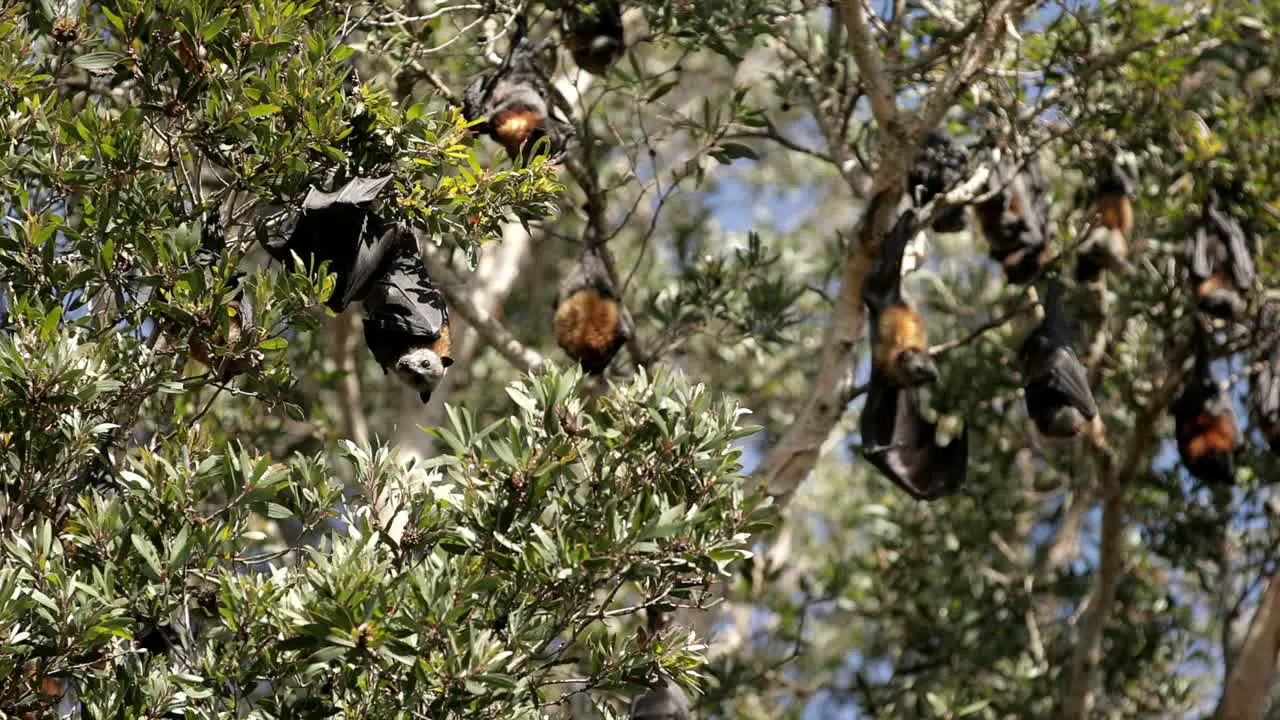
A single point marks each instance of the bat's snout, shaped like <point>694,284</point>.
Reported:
<point>918,367</point>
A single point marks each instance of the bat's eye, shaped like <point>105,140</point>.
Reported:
<point>446,361</point>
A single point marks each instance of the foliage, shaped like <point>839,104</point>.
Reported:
<point>178,541</point>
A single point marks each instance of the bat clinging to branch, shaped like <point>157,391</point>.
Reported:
<point>1057,391</point>
<point>593,31</point>
<point>591,323</point>
<point>1205,425</point>
<point>1015,221</point>
<point>1221,260</point>
<point>514,102</point>
<point>939,166</point>
<point>1107,246</point>
<point>896,438</point>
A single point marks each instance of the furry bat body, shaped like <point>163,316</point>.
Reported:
<point>896,438</point>
<point>939,166</point>
<point>1107,247</point>
<point>591,323</point>
<point>406,322</point>
<point>593,31</point>
<point>1206,429</point>
<point>1015,221</point>
<point>513,102</point>
<point>1057,391</point>
<point>1221,261</point>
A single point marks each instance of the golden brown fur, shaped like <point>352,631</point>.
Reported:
<point>443,345</point>
<point>1210,434</point>
<point>1116,212</point>
<point>900,329</point>
<point>587,327</point>
<point>517,129</point>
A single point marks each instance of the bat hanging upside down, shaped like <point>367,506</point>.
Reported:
<point>594,33</point>
<point>1057,390</point>
<point>239,311</point>
<point>939,166</point>
<point>896,438</point>
<point>1015,221</point>
<point>1221,260</point>
<point>1205,425</point>
<point>591,323</point>
<point>513,102</point>
<point>1107,247</point>
<point>406,323</point>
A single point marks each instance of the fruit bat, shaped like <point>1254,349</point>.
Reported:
<point>1057,390</point>
<point>1266,401</point>
<point>341,228</point>
<point>900,347</point>
<point>896,438</point>
<point>593,31</point>
<point>513,104</point>
<point>201,341</point>
<point>1205,425</point>
<point>664,703</point>
<point>591,323</point>
<point>939,166</point>
<point>406,322</point>
<point>1221,260</point>
<point>1015,221</point>
<point>1107,246</point>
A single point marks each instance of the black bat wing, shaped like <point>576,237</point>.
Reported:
<point>403,307</point>
<point>1064,374</point>
<point>882,286</point>
<point>358,191</point>
<point>900,443</point>
<point>340,228</point>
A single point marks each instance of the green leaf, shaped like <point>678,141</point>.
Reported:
<point>258,111</point>
<point>97,61</point>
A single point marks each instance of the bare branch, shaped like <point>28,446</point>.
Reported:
<point>1246,686</point>
<point>354,423</point>
<point>878,83</point>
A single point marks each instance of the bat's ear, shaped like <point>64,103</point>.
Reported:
<point>425,397</point>
<point>446,361</point>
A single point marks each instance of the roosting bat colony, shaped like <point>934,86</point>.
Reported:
<point>406,322</point>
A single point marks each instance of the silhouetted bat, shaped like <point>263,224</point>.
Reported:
<point>664,703</point>
<point>896,438</point>
<point>940,165</point>
<point>1221,260</point>
<point>513,100</point>
<point>1266,401</point>
<point>591,323</point>
<point>593,32</point>
<point>1015,221</point>
<point>339,227</point>
<point>1107,246</point>
<point>1057,390</point>
<point>201,341</point>
<point>1205,425</point>
<point>406,322</point>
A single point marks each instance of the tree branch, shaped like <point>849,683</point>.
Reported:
<point>354,423</point>
<point>1083,666</point>
<point>870,65</point>
<point>1246,686</point>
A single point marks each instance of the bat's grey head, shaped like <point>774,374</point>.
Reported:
<point>421,368</point>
